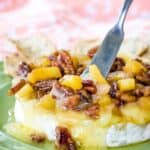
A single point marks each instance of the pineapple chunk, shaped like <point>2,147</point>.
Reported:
<point>75,61</point>
<point>105,118</point>
<point>144,102</point>
<point>125,57</point>
<point>84,59</point>
<point>96,74</point>
<point>105,100</point>
<point>118,75</point>
<point>116,119</point>
<point>72,81</point>
<point>132,112</point>
<point>26,92</point>
<point>43,73</point>
<point>126,84</point>
<point>47,102</point>
<point>133,66</point>
<point>43,62</point>
<point>116,115</point>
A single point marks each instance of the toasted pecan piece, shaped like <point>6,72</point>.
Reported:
<point>13,90</point>
<point>64,139</point>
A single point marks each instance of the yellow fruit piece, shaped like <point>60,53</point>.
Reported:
<point>105,118</point>
<point>118,75</point>
<point>47,102</point>
<point>105,100</point>
<point>26,92</point>
<point>43,73</point>
<point>72,81</point>
<point>116,115</point>
<point>96,74</point>
<point>133,113</point>
<point>84,59</point>
<point>133,66</point>
<point>75,61</point>
<point>125,57</point>
<point>144,102</point>
<point>116,119</point>
<point>126,84</point>
<point>44,61</point>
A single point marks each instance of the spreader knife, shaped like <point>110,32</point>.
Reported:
<point>106,55</point>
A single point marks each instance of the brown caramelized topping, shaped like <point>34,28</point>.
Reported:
<point>64,139</point>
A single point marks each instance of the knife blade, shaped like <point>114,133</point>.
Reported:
<point>106,54</point>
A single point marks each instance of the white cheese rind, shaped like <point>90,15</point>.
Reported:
<point>26,114</point>
<point>121,134</point>
<point>117,135</point>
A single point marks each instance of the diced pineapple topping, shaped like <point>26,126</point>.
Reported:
<point>96,74</point>
<point>125,57</point>
<point>117,75</point>
<point>44,61</point>
<point>105,118</point>
<point>43,73</point>
<point>26,92</point>
<point>47,102</point>
<point>72,81</point>
<point>144,103</point>
<point>126,84</point>
<point>134,113</point>
<point>134,67</point>
<point>105,100</point>
<point>75,61</point>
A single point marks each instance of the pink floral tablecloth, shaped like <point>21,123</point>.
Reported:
<point>66,21</point>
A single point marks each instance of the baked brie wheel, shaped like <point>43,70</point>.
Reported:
<point>54,102</point>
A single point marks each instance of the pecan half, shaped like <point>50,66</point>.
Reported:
<point>80,69</point>
<point>144,78</point>
<point>72,102</point>
<point>60,91</point>
<point>144,91</point>
<point>117,65</point>
<point>43,87</point>
<point>89,86</point>
<point>24,69</point>
<point>119,103</point>
<point>38,138</point>
<point>147,66</point>
<point>93,111</point>
<point>92,51</point>
<point>113,90</point>
<point>64,139</point>
<point>13,90</point>
<point>127,97</point>
<point>64,61</point>
<point>85,100</point>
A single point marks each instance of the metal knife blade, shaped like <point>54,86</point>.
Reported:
<point>106,55</point>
